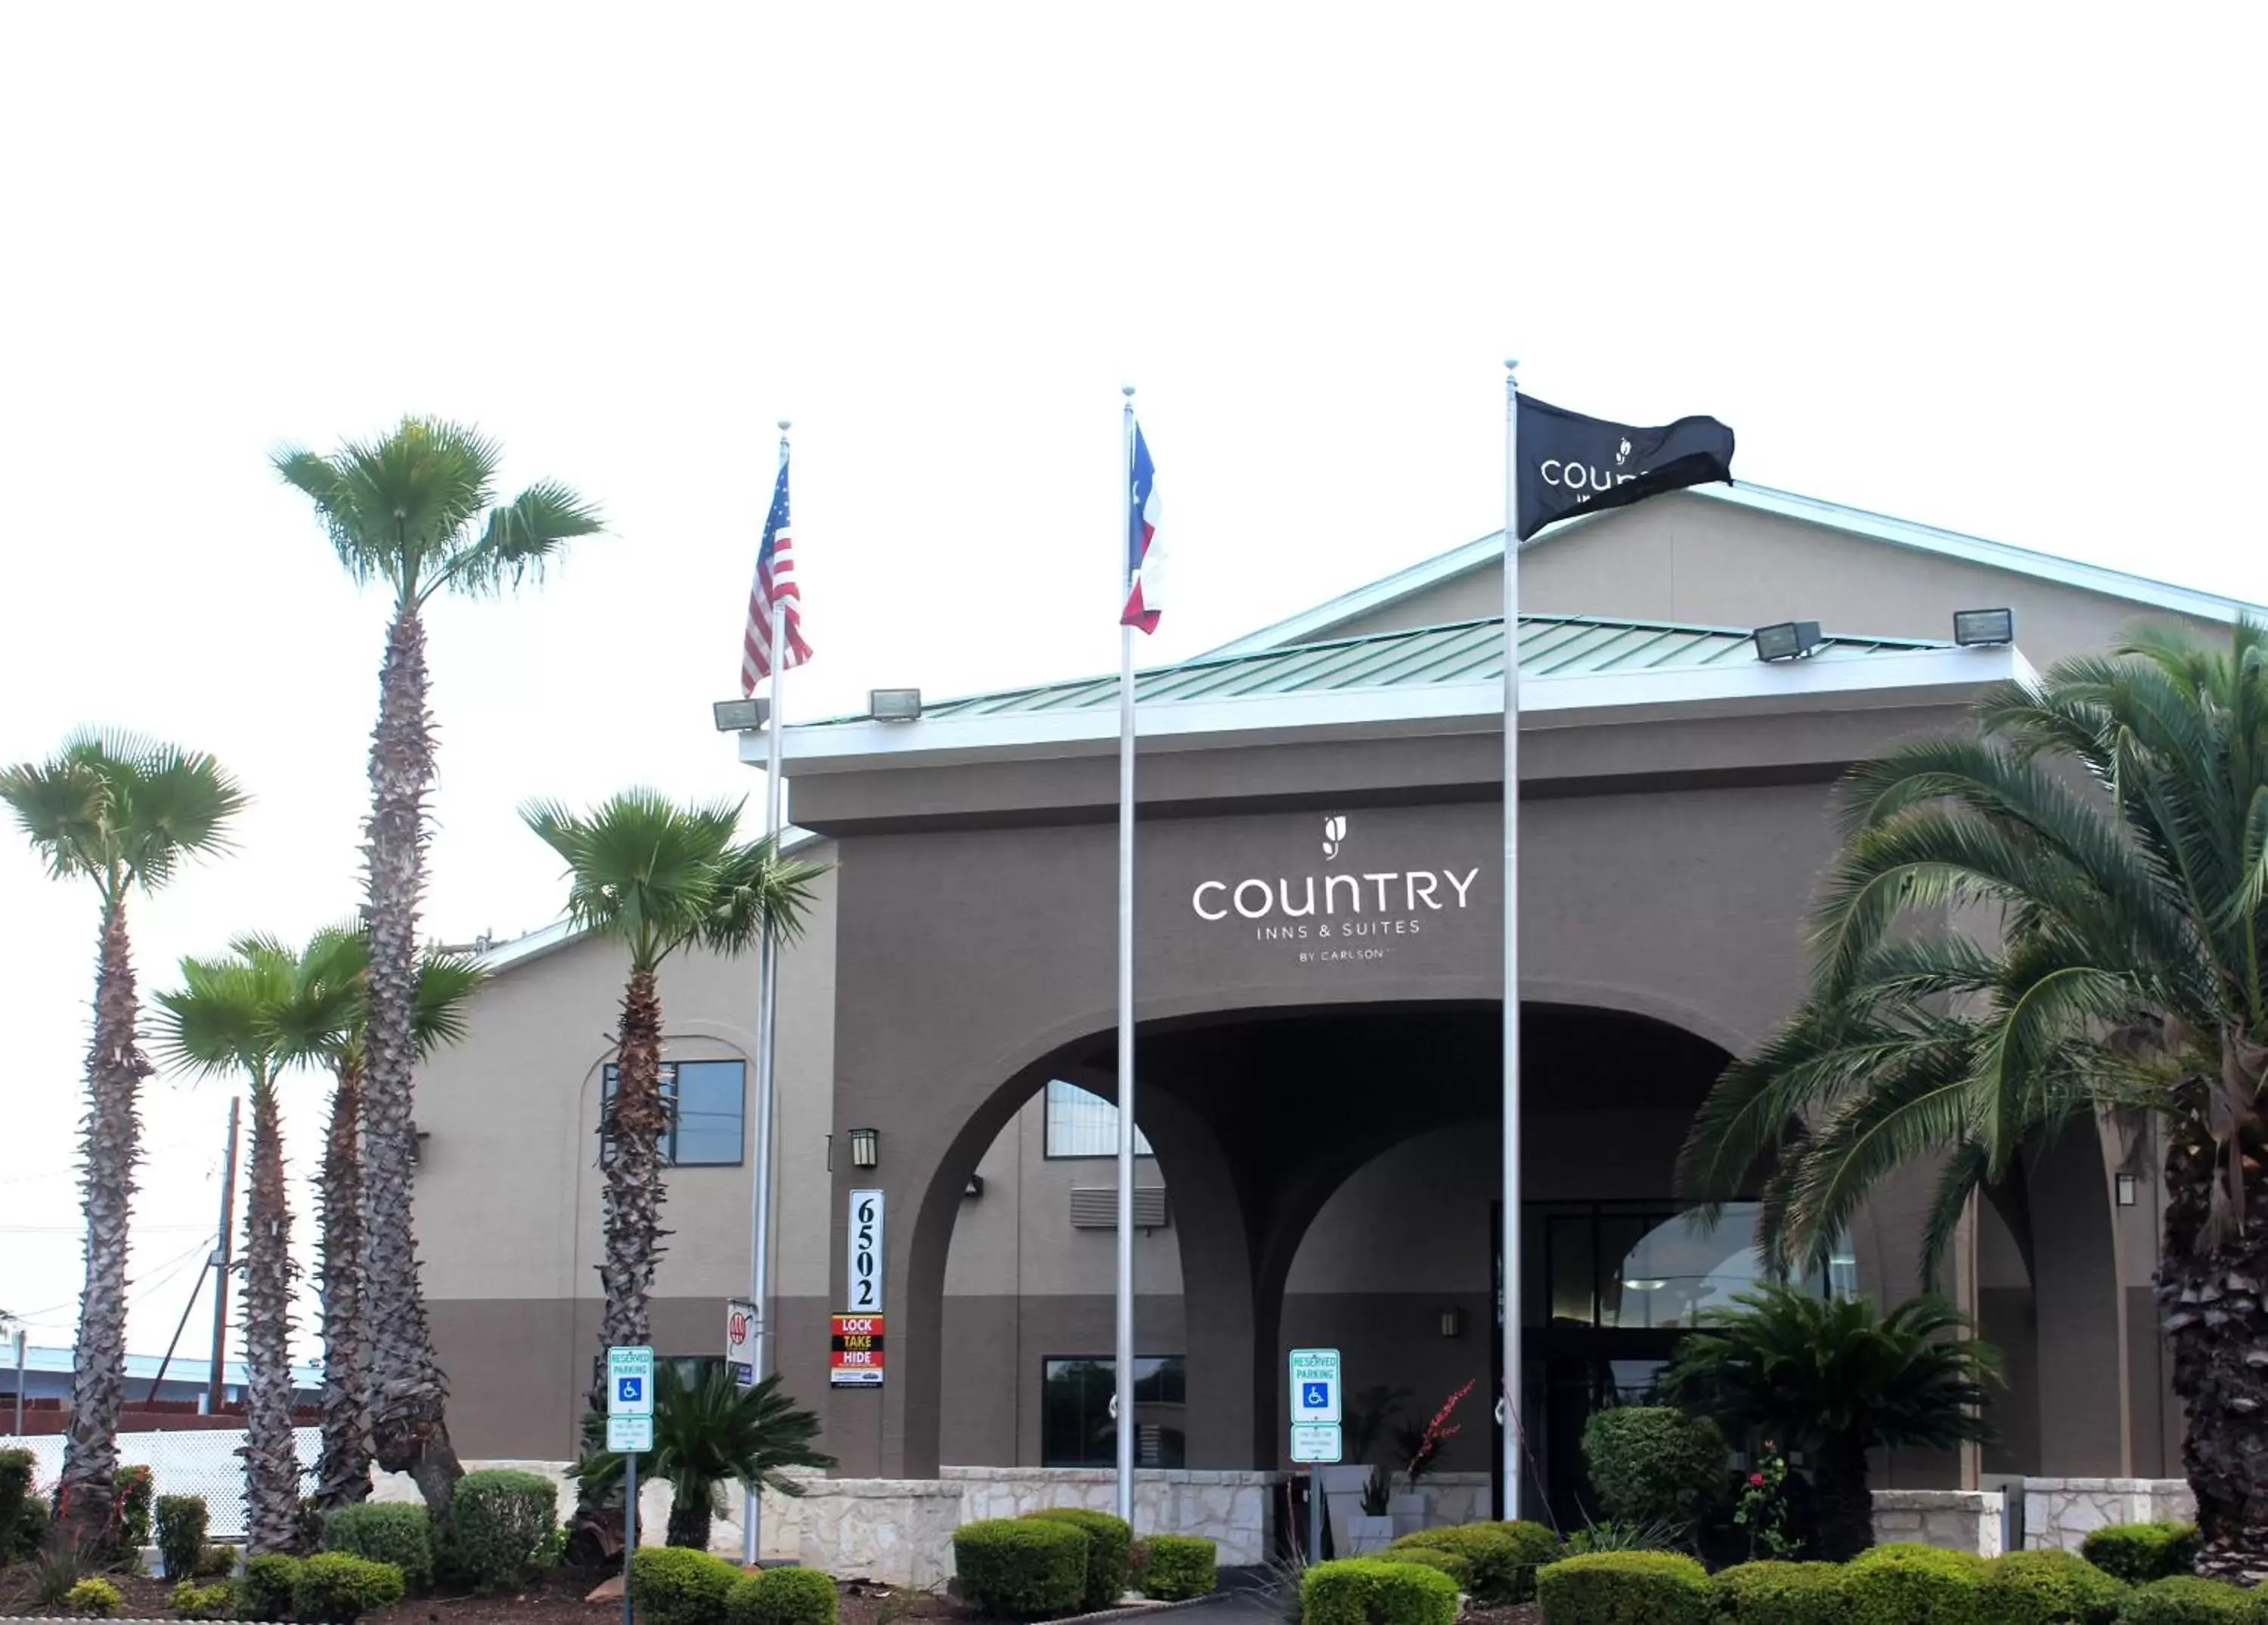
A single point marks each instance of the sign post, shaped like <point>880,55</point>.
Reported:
<point>629,1429</point>
<point>1315,1401</point>
<point>740,1341</point>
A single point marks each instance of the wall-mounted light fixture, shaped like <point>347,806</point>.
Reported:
<point>1453,1322</point>
<point>2125,1184</point>
<point>1974,628</point>
<point>976,1186</point>
<point>865,1148</point>
<point>893,704</point>
<point>1786,640</point>
<point>740,716</point>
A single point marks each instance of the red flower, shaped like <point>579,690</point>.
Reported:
<point>1756,1478</point>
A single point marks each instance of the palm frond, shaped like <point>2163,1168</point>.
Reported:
<point>641,868</point>
<point>521,536</point>
<point>122,808</point>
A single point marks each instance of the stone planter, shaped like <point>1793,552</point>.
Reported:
<point>1341,1484</point>
<point>1366,1534</point>
<point>1405,1511</point>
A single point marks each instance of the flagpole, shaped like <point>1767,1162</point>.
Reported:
<point>1124,1355</point>
<point>760,1201</point>
<point>1508,1231</point>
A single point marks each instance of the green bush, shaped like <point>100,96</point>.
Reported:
<point>2186,1600</point>
<point>215,1562</point>
<point>1780,1594</point>
<point>193,1601</point>
<point>1021,1568</point>
<point>16,1502</point>
<point>1651,1464</point>
<point>1503,1558</point>
<point>180,1534</point>
<point>95,1598</point>
<point>501,1520</point>
<point>1624,1588</point>
<point>31,1528</point>
<point>1110,1553</point>
<point>1368,1591</point>
<point>133,1491</point>
<point>675,1585</point>
<point>337,1588</point>
<point>395,1533</point>
<point>2048,1588</point>
<point>1180,1566</point>
<point>782,1597</point>
<point>1456,1567</point>
<point>1909,1584</point>
<point>264,1593</point>
<point>2140,1553</point>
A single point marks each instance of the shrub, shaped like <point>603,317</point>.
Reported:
<point>1109,1553</point>
<point>675,1585</point>
<point>393,1532</point>
<point>501,1520</point>
<point>1908,1585</point>
<point>265,1591</point>
<point>782,1597</point>
<point>215,1562</point>
<point>180,1534</point>
<point>1780,1594</point>
<point>96,1598</point>
<point>1503,1558</point>
<point>2048,1588</point>
<point>31,1529</point>
<point>1180,1566</point>
<point>193,1601</point>
<point>1651,1464</point>
<point>2140,1553</point>
<point>1369,1590</point>
<point>1624,1588</point>
<point>2186,1600</point>
<point>133,1491</point>
<point>15,1497</point>
<point>1457,1567</point>
<point>1024,1567</point>
<point>338,1587</point>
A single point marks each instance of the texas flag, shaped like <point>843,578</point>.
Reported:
<point>1146,555</point>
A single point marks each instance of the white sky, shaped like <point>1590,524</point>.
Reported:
<point>1963,264</point>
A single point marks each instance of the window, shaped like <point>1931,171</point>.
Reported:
<point>704,1098</point>
<point>1084,1124</point>
<point>1076,1428</point>
<point>1633,1266</point>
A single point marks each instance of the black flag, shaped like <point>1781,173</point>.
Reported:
<point>1570,464</point>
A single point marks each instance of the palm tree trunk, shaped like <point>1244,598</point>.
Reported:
<point>689,1517</point>
<point>2212,1302</point>
<point>271,1466</point>
<point>1846,1509</point>
<point>406,1390</point>
<point>116,1068</point>
<point>342,1475</point>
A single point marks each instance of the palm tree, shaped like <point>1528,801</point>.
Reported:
<point>338,956</point>
<point>1831,1379</point>
<point>123,812</point>
<point>233,1015</point>
<point>657,877</point>
<point>417,512</point>
<point>709,1432</point>
<point>2108,826</point>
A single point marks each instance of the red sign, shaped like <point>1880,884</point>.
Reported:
<point>854,1359</point>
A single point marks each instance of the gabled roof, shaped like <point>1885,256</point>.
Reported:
<point>1465,651</point>
<point>1484,550</point>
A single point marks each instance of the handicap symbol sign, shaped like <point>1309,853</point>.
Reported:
<point>627,1389</point>
<point>1315,1396</point>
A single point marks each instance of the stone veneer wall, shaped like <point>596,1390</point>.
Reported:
<point>2061,1511</point>
<point>1960,1521</point>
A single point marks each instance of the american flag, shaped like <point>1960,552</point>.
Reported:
<point>1145,556</point>
<point>775,603</point>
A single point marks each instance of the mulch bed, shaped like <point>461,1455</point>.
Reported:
<point>1518,1613</point>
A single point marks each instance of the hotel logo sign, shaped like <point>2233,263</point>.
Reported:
<point>1341,913</point>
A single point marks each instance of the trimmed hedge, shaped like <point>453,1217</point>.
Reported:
<point>1653,1465</point>
<point>1109,1553</point>
<point>265,1591</point>
<point>501,1521</point>
<point>2140,1553</point>
<point>2186,1600</point>
<point>393,1533</point>
<point>1022,1568</point>
<point>1370,1591</point>
<point>2049,1587</point>
<point>338,1588</point>
<point>1180,1567</point>
<point>193,1601</point>
<point>1780,1594</point>
<point>1904,1584</point>
<point>180,1534</point>
<point>1625,1588</point>
<point>677,1585</point>
<point>1450,1563</point>
<point>785,1596</point>
<point>1503,1557</point>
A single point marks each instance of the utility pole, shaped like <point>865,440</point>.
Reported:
<point>220,1264</point>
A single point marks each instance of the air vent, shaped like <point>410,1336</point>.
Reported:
<point>1095,1207</point>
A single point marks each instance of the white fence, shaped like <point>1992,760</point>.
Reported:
<point>193,1462</point>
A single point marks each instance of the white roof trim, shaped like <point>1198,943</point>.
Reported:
<point>1788,504</point>
<point>1903,678</point>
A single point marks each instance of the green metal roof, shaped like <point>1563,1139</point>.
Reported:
<point>1468,651</point>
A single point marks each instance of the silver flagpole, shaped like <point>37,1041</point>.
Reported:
<point>1508,1230</point>
<point>1125,1344</point>
<point>760,1202</point>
